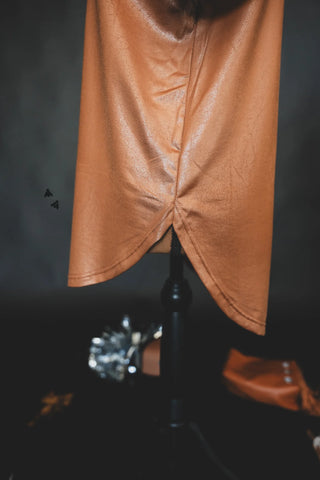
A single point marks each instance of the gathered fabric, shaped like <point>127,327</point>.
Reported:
<point>178,128</point>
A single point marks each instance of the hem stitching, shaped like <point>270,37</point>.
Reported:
<point>196,247</point>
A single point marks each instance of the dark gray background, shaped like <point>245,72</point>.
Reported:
<point>41,62</point>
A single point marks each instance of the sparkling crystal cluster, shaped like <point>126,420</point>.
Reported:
<point>116,354</point>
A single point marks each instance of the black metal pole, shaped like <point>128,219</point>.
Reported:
<point>184,442</point>
<point>176,297</point>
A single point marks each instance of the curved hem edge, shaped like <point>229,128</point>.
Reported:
<point>191,249</point>
<point>129,261</point>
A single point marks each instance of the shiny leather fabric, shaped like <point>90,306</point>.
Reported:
<point>275,382</point>
<point>178,127</point>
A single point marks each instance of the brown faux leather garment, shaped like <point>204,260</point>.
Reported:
<point>178,127</point>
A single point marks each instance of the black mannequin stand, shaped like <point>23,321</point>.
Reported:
<point>182,450</point>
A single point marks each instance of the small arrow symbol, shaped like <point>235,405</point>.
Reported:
<point>48,193</point>
<point>55,204</point>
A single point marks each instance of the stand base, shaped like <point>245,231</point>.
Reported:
<point>179,453</point>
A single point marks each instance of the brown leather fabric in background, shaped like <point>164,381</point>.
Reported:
<point>178,126</point>
<point>272,381</point>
